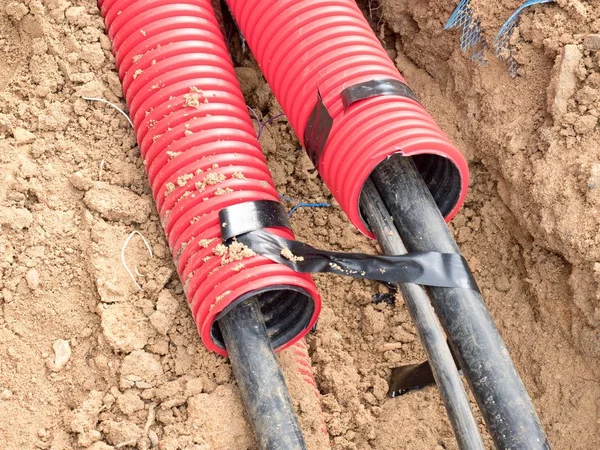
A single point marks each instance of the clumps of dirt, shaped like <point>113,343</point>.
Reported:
<point>205,242</point>
<point>287,254</point>
<point>115,203</point>
<point>235,251</point>
<point>183,179</point>
<point>125,327</point>
<point>221,191</point>
<point>167,307</point>
<point>214,178</point>
<point>195,98</point>
<point>85,419</point>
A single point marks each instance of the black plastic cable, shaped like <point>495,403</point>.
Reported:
<point>429,330</point>
<point>260,379</point>
<point>500,394</point>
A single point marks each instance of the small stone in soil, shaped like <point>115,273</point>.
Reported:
<point>62,354</point>
<point>592,42</point>
<point>502,283</point>
<point>6,394</point>
<point>22,136</point>
<point>33,279</point>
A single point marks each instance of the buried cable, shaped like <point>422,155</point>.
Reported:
<point>492,376</point>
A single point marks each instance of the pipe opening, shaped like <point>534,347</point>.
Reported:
<point>286,310</point>
<point>442,178</point>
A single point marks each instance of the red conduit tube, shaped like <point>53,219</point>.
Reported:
<point>304,47</point>
<point>201,155</point>
<point>298,358</point>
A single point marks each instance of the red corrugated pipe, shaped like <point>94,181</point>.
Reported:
<point>324,46</point>
<point>303,365</point>
<point>202,155</point>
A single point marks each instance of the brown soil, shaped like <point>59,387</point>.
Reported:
<point>134,373</point>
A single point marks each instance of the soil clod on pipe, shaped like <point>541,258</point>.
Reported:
<point>500,394</point>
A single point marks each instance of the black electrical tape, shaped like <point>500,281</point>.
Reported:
<point>413,376</point>
<point>317,130</point>
<point>250,216</point>
<point>409,378</point>
<point>375,88</point>
<point>426,268</point>
<point>320,121</point>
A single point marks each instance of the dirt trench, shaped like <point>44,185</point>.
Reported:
<point>134,373</point>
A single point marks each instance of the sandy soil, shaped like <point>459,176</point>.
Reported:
<point>89,361</point>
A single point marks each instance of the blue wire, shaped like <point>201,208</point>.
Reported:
<point>308,205</point>
<point>287,199</point>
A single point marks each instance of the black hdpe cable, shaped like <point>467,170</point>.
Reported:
<point>260,379</point>
<point>494,381</point>
<point>430,332</point>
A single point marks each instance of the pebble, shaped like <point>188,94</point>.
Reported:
<point>592,42</point>
<point>33,279</point>
<point>62,354</point>
<point>22,136</point>
<point>6,394</point>
<point>594,183</point>
<point>390,346</point>
<point>80,182</point>
<point>16,218</point>
<point>13,353</point>
<point>502,283</point>
<point>564,81</point>
<point>153,438</point>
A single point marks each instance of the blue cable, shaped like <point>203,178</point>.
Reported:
<point>308,205</point>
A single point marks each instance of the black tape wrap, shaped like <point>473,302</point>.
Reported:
<point>245,217</point>
<point>425,268</point>
<point>375,88</point>
<point>317,131</point>
<point>320,121</point>
<point>287,310</point>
